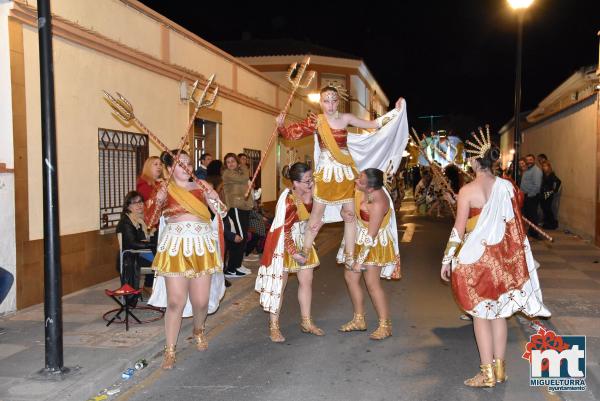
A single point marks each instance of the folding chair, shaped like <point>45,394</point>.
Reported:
<point>143,270</point>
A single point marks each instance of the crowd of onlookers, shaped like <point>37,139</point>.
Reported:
<point>539,185</point>
<point>245,225</point>
<point>541,189</point>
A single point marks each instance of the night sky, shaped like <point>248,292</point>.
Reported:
<point>452,58</point>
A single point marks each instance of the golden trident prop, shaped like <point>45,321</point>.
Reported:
<point>200,103</point>
<point>123,110</point>
<point>294,76</point>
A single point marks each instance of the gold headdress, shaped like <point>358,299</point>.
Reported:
<point>339,88</point>
<point>484,143</point>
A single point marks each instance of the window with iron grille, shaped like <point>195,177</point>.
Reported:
<point>253,160</point>
<point>121,157</point>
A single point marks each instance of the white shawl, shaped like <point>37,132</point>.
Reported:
<point>489,230</point>
<point>381,149</point>
<point>269,281</point>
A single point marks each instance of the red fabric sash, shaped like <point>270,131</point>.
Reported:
<point>270,245</point>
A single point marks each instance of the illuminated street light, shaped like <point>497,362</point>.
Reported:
<point>314,97</point>
<point>520,6</point>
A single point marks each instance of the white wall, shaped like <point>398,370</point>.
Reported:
<point>80,111</point>
<point>569,140</point>
<point>7,180</point>
<point>6,138</point>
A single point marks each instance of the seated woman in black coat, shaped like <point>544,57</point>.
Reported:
<point>135,235</point>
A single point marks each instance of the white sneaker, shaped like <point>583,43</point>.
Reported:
<point>244,269</point>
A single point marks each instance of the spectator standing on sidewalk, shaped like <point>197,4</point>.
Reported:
<point>550,187</point>
<point>151,177</point>
<point>201,171</point>
<point>245,162</point>
<point>235,184</point>
<point>522,168</point>
<point>541,158</point>
<point>531,185</point>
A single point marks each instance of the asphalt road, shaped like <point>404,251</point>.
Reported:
<point>428,357</point>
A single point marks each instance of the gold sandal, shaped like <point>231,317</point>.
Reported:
<point>500,370</point>
<point>356,324</point>
<point>308,326</point>
<point>169,357</point>
<point>383,331</point>
<point>485,377</point>
<point>274,332</point>
<point>199,337</point>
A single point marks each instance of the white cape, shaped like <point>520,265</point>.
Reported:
<point>489,230</point>
<point>269,281</point>
<point>217,284</point>
<point>381,149</point>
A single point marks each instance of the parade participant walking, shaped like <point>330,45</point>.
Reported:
<point>188,250</point>
<point>488,259</point>
<point>282,254</point>
<point>337,163</point>
<point>376,254</point>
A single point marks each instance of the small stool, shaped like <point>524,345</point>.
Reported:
<point>125,290</point>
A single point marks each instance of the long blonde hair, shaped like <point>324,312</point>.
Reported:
<point>147,170</point>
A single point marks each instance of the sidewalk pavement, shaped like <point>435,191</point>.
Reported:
<point>570,279</point>
<point>97,355</point>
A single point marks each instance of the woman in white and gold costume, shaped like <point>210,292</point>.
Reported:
<point>489,261</point>
<point>282,253</point>
<point>340,155</point>
<point>188,251</point>
<point>376,253</point>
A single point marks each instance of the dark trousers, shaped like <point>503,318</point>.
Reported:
<point>235,251</point>
<point>235,255</point>
<point>132,263</point>
<point>550,221</point>
<point>530,210</point>
<point>254,243</point>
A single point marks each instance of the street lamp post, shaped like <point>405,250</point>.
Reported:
<point>520,6</point>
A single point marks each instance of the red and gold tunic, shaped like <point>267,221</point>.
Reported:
<point>296,219</point>
<point>186,248</point>
<point>493,271</point>
<point>334,179</point>
<point>382,253</point>
<point>502,267</point>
